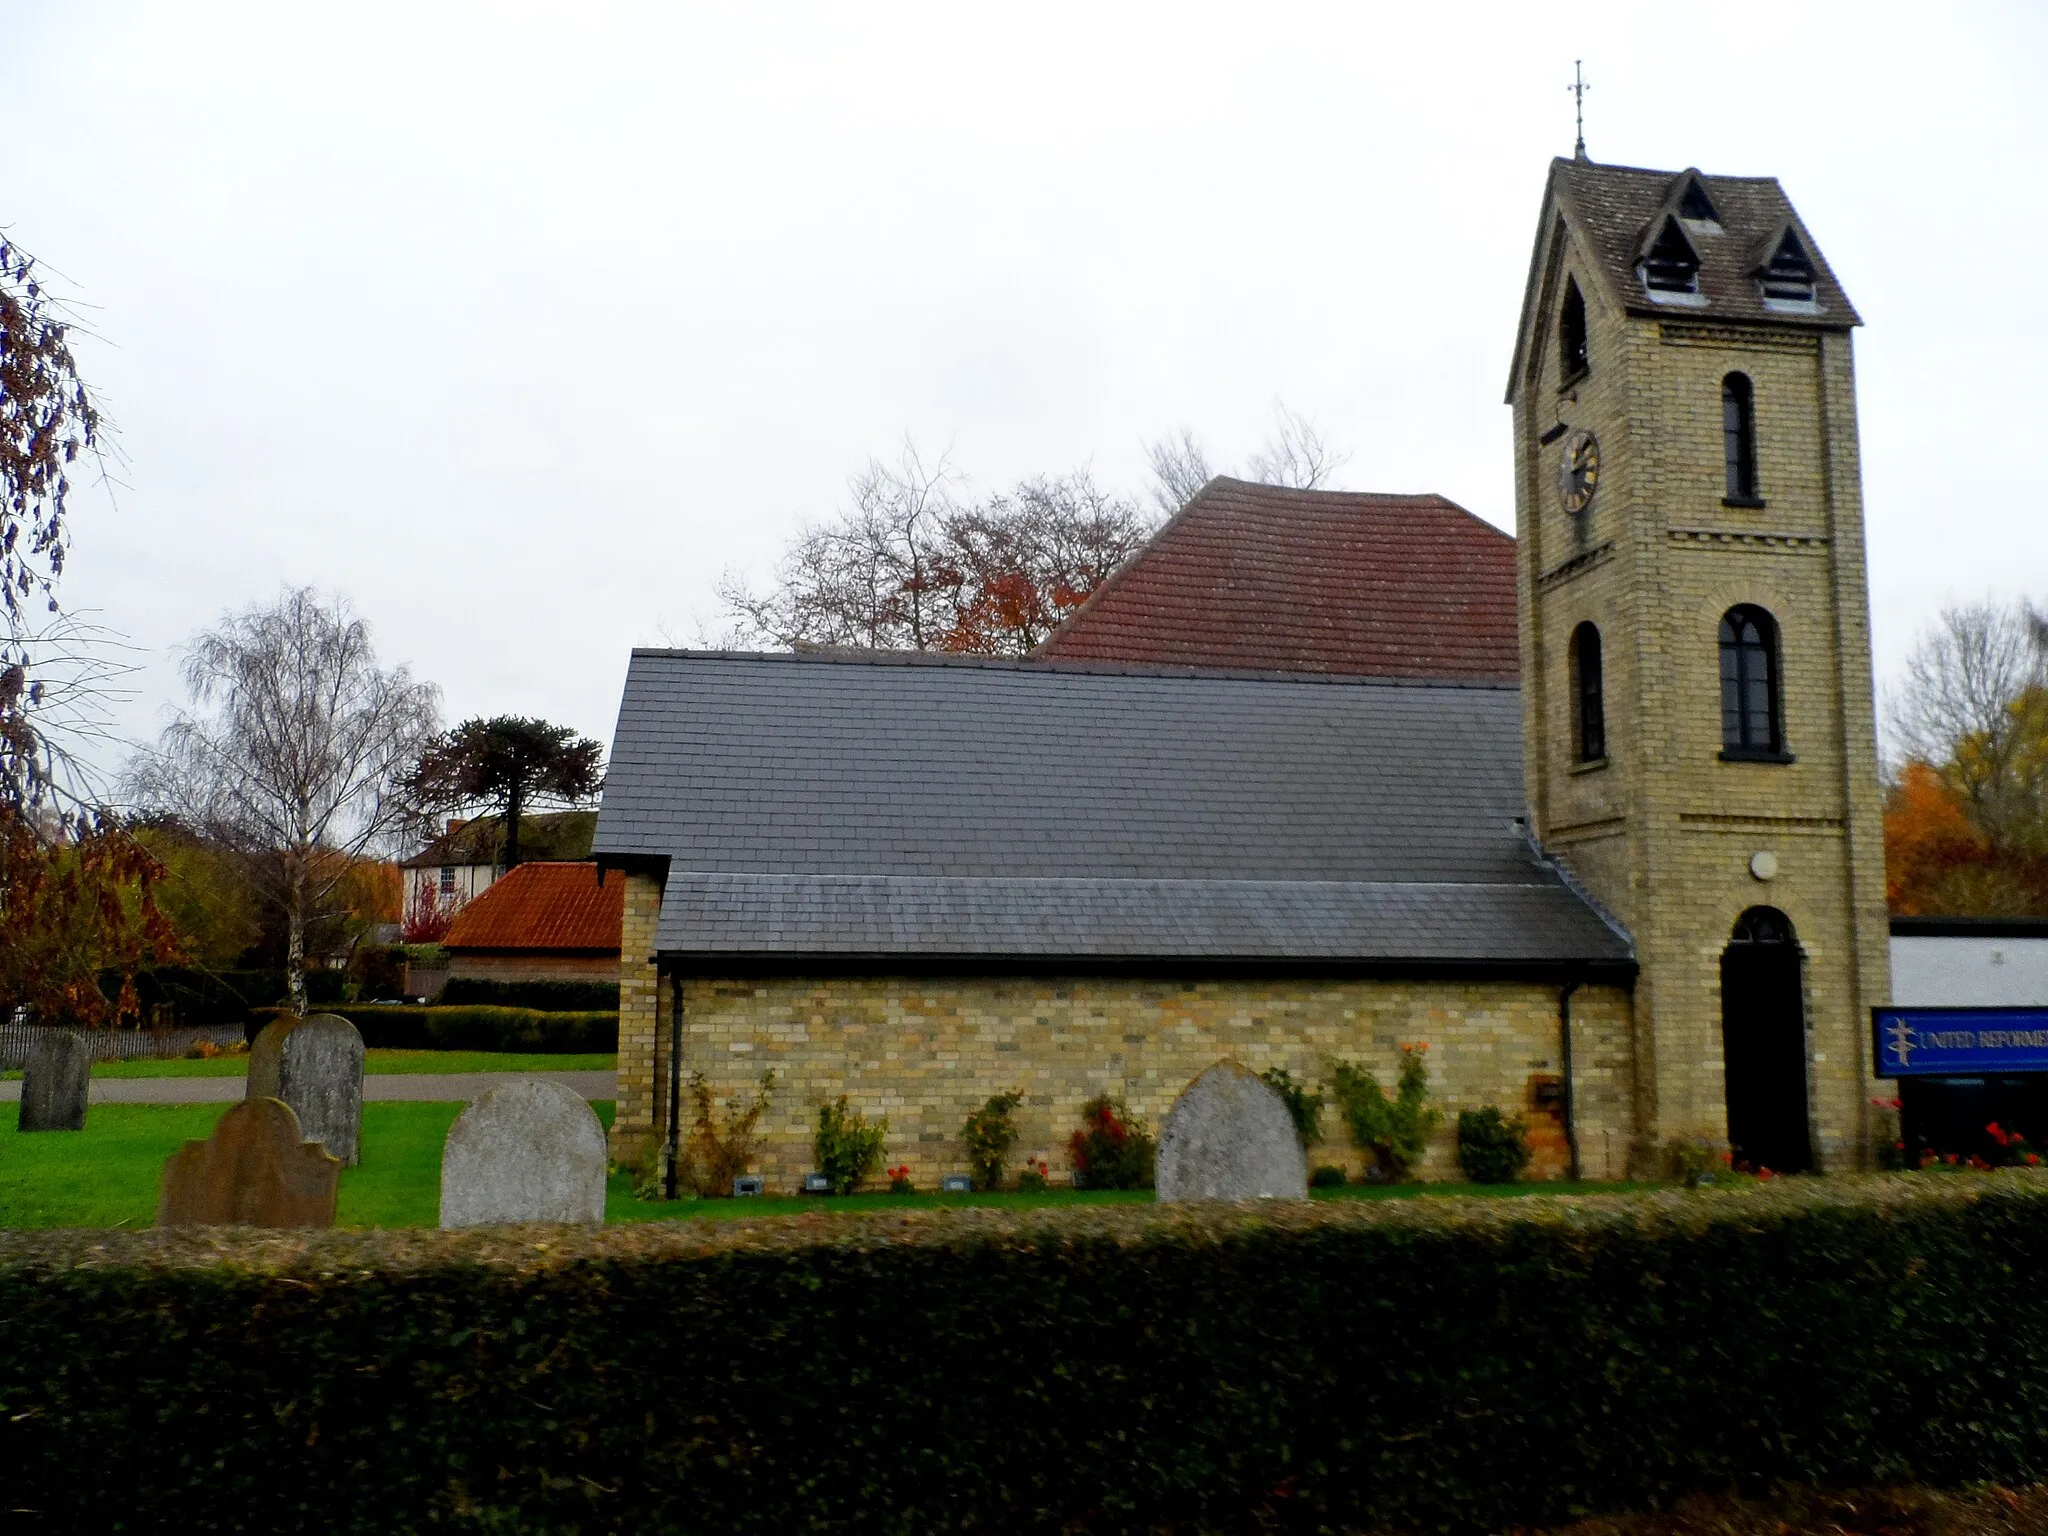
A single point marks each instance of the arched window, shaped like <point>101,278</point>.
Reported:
<point>1589,708</point>
<point>1571,333</point>
<point>1738,438</point>
<point>1750,722</point>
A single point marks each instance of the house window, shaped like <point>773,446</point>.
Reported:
<point>1671,265</point>
<point>1750,718</point>
<point>1696,207</point>
<point>1738,439</point>
<point>447,881</point>
<point>1588,699</point>
<point>1788,277</point>
<point>1571,334</point>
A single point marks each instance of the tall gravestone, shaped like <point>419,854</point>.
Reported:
<point>314,1064</point>
<point>255,1170</point>
<point>1229,1137</point>
<point>55,1080</point>
<point>524,1151</point>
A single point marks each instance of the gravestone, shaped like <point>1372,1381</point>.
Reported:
<point>1229,1137</point>
<point>314,1064</point>
<point>524,1151</point>
<point>54,1081</point>
<point>255,1170</point>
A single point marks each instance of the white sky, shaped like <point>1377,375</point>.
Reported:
<point>519,324</point>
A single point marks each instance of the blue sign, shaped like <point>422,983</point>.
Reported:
<point>1960,1042</point>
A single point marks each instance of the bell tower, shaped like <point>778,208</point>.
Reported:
<point>1698,732</point>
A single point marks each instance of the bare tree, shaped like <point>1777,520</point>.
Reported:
<point>1296,454</point>
<point>299,755</point>
<point>1973,706</point>
<point>1179,469</point>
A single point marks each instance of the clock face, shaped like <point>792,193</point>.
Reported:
<point>1578,470</point>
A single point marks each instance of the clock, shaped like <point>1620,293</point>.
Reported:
<point>1578,470</point>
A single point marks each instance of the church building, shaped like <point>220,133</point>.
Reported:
<point>1588,816</point>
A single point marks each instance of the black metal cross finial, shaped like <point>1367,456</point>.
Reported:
<point>1579,86</point>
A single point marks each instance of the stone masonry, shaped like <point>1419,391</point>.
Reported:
<point>1663,831</point>
<point>639,984</point>
<point>926,1052</point>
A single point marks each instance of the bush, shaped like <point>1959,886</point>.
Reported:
<point>990,1132</point>
<point>547,996</point>
<point>1305,1108</point>
<point>847,1147</point>
<point>1112,1150</point>
<point>1395,1131</point>
<point>429,1027</point>
<point>1035,1177</point>
<point>720,1146</point>
<point>1326,1176</point>
<point>1455,1365</point>
<point>1492,1149</point>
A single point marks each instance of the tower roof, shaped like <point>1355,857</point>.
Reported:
<point>1266,578</point>
<point>1648,232</point>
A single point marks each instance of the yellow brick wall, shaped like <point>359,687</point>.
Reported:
<point>640,1015</point>
<point>1663,834</point>
<point>926,1053</point>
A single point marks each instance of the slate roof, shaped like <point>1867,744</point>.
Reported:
<point>543,906</point>
<point>1268,578</point>
<point>892,806</point>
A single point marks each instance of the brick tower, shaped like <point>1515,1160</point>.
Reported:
<point>1698,735</point>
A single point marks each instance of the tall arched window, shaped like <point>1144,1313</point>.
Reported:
<point>1738,438</point>
<point>1573,359</point>
<point>1589,707</point>
<point>1750,719</point>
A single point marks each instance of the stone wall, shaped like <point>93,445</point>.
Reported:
<point>639,1014</point>
<point>926,1053</point>
<point>529,966</point>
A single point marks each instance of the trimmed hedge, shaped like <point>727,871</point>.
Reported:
<point>548,996</point>
<point>430,1027</point>
<point>1455,1364</point>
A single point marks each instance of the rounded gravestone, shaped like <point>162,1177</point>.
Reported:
<point>320,1074</point>
<point>55,1080</point>
<point>1229,1137</point>
<point>525,1151</point>
<point>266,1054</point>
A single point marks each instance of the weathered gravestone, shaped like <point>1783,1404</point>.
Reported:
<point>525,1151</point>
<point>55,1080</point>
<point>314,1064</point>
<point>1229,1137</point>
<point>255,1170</point>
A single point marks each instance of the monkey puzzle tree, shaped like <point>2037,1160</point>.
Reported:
<point>508,763</point>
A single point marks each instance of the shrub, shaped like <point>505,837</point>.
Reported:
<point>1034,1177</point>
<point>1696,1162</point>
<point>1305,1107</point>
<point>1112,1150</point>
<point>1455,1365</point>
<point>990,1132</point>
<point>720,1146</point>
<point>1395,1131</point>
<point>847,1146</point>
<point>1326,1176</point>
<point>547,996</point>
<point>1492,1149</point>
<point>429,1027</point>
<point>899,1180</point>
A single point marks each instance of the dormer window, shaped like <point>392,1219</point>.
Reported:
<point>1573,360</point>
<point>1788,277</point>
<point>1671,265</point>
<point>1696,208</point>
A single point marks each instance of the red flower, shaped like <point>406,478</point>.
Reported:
<point>2033,1159</point>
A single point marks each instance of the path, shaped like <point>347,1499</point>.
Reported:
<point>453,1086</point>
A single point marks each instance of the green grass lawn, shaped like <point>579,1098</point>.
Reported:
<point>374,1063</point>
<point>107,1175</point>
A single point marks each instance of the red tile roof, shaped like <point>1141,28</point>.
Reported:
<point>1265,578</point>
<point>543,906</point>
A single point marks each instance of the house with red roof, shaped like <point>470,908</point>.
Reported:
<point>539,922</point>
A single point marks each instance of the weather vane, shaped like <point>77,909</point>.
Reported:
<point>1578,88</point>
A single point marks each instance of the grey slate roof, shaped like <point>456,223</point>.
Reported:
<point>882,805</point>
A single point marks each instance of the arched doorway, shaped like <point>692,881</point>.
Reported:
<point>1763,1044</point>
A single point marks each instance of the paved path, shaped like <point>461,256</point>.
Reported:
<point>459,1086</point>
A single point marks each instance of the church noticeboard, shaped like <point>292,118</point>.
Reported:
<point>1960,1042</point>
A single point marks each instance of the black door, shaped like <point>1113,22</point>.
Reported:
<point>1763,1044</point>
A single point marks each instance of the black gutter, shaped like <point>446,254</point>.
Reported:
<point>1618,971</point>
<point>670,1173</point>
<point>1568,1098</point>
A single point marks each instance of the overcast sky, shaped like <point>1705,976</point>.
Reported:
<point>519,325</point>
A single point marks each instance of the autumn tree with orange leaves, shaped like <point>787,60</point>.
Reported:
<point>1966,802</point>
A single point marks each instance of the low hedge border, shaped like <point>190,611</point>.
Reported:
<point>548,996</point>
<point>1455,1365</point>
<point>429,1027</point>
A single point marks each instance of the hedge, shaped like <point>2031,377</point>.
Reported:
<point>1455,1365</point>
<point>222,997</point>
<point>548,996</point>
<point>430,1027</point>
